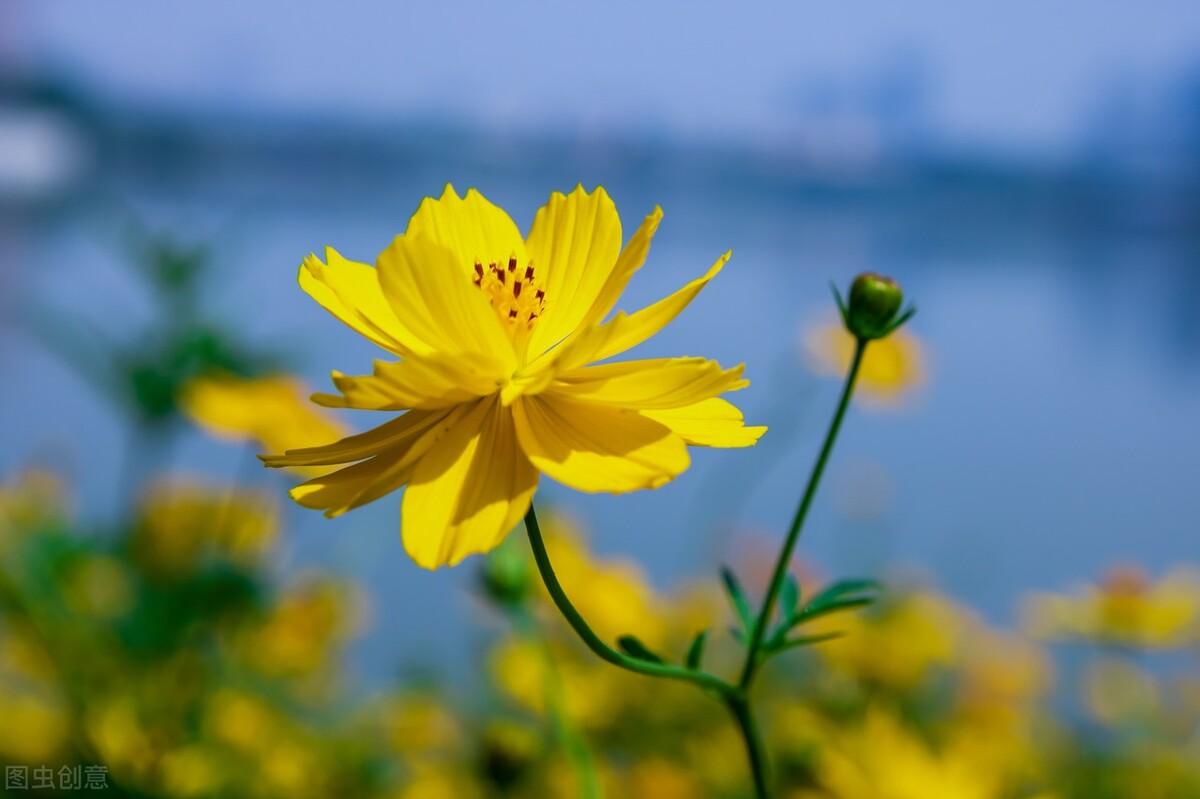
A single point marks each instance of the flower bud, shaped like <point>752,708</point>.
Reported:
<point>505,575</point>
<point>874,302</point>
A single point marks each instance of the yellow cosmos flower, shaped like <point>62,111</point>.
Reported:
<point>891,366</point>
<point>1126,609</point>
<point>494,334</point>
<point>273,411</point>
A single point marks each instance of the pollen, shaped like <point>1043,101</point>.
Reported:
<point>513,291</point>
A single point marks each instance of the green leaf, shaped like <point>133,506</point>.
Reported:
<point>695,652</point>
<point>632,646</point>
<point>804,640</point>
<point>789,598</point>
<point>737,596</point>
<point>842,595</point>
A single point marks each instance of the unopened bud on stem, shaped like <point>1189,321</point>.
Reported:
<point>874,307</point>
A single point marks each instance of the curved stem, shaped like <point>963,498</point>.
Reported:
<point>763,620</point>
<point>739,706</point>
<point>589,636</point>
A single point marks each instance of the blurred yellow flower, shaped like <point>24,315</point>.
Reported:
<point>305,628</point>
<point>661,779</point>
<point>100,587</point>
<point>1126,609</point>
<point>891,366</point>
<point>182,521</point>
<point>273,411</point>
<point>191,771</point>
<point>418,723</point>
<point>882,759</point>
<point>36,724</point>
<point>1117,692</point>
<point>591,696</point>
<point>899,643</point>
<point>494,334</point>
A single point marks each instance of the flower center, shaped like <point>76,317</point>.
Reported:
<point>514,293</point>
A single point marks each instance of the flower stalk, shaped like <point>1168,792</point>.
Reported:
<point>763,619</point>
<point>867,319</point>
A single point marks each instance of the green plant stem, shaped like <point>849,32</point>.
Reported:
<point>735,697</point>
<point>763,620</point>
<point>739,706</point>
<point>589,636</point>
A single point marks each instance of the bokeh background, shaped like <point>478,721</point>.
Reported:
<point>1030,172</point>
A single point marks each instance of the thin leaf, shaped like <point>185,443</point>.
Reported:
<point>737,596</point>
<point>695,652</point>
<point>805,640</point>
<point>632,646</point>
<point>808,613</point>
<point>789,597</point>
<point>842,595</point>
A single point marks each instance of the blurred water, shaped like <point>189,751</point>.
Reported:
<point>1057,433</point>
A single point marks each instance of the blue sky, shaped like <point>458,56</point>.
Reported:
<point>1019,73</point>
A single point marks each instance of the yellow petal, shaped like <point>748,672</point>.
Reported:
<point>413,383</point>
<point>709,423</point>
<point>399,432</point>
<point>595,448</point>
<point>380,474</point>
<point>428,287</point>
<point>631,260</point>
<point>470,489</point>
<point>351,292</point>
<point>573,246</point>
<point>633,330</point>
<point>651,384</point>
<point>471,227</point>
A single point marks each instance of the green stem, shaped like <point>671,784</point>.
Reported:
<point>589,636</point>
<point>739,706</point>
<point>763,620</point>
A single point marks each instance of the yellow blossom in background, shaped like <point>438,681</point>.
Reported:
<point>882,759</point>
<point>35,724</point>
<point>898,644</point>
<point>891,367</point>
<point>418,723</point>
<point>191,771</point>
<point>100,587</point>
<point>1125,609</point>
<point>494,333</point>
<point>272,411</point>
<point>592,696</point>
<point>181,521</point>
<point>1117,692</point>
<point>303,631</point>
<point>661,779</point>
